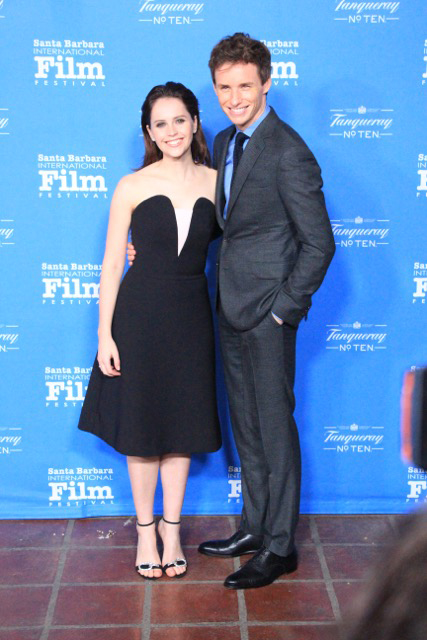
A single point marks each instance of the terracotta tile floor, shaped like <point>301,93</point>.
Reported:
<point>74,580</point>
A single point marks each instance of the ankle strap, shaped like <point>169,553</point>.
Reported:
<point>145,525</point>
<point>169,522</point>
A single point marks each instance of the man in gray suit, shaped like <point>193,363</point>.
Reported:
<point>277,245</point>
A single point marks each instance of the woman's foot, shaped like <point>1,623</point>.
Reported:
<point>173,561</point>
<point>147,557</point>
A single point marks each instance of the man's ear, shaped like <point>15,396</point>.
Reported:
<point>214,88</point>
<point>266,86</point>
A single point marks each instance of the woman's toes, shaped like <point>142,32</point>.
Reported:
<point>172,572</point>
<point>151,573</point>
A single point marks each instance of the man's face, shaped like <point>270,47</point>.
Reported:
<point>240,92</point>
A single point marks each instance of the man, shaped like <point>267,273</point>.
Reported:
<point>277,245</point>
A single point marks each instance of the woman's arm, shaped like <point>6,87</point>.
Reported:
<point>112,270</point>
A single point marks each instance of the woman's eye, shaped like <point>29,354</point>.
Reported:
<point>180,120</point>
<point>160,124</point>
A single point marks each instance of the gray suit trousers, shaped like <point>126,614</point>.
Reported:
<point>259,367</point>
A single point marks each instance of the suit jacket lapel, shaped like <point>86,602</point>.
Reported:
<point>219,191</point>
<point>254,148</point>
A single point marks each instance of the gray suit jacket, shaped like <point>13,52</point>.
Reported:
<point>277,239</point>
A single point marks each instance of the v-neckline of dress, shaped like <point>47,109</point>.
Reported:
<point>161,195</point>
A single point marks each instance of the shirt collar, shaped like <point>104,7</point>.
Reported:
<point>249,131</point>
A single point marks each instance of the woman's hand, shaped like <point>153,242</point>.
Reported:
<point>108,357</point>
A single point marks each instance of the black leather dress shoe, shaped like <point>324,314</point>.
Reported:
<point>239,543</point>
<point>264,568</point>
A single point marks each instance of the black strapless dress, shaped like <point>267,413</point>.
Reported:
<point>165,400</point>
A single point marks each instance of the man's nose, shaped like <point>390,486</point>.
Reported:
<point>235,96</point>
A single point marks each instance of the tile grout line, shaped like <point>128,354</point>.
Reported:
<point>146,614</point>
<point>391,518</point>
<point>166,625</point>
<point>131,583</point>
<point>325,569</point>
<point>241,603</point>
<point>232,523</point>
<point>57,583</point>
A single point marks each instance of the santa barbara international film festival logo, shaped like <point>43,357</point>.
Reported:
<point>234,484</point>
<point>9,336</point>
<point>79,486</point>
<point>72,175</point>
<point>361,233</point>
<point>353,439</point>
<point>66,386</point>
<point>361,123</point>
<point>68,63</point>
<point>70,283</point>
<point>356,337</point>
<point>172,13</point>
<point>422,175</point>
<point>417,485</point>
<point>10,440</point>
<point>284,57</point>
<point>366,12</point>
<point>420,283</point>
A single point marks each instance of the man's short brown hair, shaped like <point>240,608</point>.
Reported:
<point>241,48</point>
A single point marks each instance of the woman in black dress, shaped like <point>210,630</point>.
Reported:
<point>152,391</point>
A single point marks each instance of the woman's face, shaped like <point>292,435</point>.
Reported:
<point>171,127</point>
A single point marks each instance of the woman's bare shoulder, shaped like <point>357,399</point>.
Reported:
<point>134,186</point>
<point>207,181</point>
<point>208,174</point>
<point>208,171</point>
<point>139,177</point>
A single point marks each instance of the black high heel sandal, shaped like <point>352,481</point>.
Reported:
<point>147,566</point>
<point>178,562</point>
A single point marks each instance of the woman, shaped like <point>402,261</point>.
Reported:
<point>152,390</point>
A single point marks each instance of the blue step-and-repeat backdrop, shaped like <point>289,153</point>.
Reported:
<point>351,78</point>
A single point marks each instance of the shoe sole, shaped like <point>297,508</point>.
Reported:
<point>259,586</point>
<point>212,554</point>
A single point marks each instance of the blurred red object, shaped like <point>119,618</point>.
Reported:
<point>414,417</point>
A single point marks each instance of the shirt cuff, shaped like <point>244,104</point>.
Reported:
<point>277,319</point>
